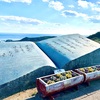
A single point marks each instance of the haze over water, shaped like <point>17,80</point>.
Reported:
<point>13,36</point>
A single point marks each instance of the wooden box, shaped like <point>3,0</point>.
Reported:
<point>54,83</point>
<point>90,73</point>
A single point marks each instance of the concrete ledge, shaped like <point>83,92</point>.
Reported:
<point>24,82</point>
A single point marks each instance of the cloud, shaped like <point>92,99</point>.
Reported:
<point>98,2</point>
<point>71,6</point>
<point>95,19</point>
<point>72,13</point>
<point>23,1</point>
<point>88,10</point>
<point>85,4</point>
<point>89,6</point>
<point>49,28</point>
<point>97,9</point>
<point>69,13</point>
<point>45,0</point>
<point>92,1</point>
<point>21,20</point>
<point>55,4</point>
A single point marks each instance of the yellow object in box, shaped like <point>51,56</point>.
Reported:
<point>58,75</point>
<point>68,75</point>
<point>90,69</point>
<point>82,69</point>
<point>69,72</point>
<point>50,82</point>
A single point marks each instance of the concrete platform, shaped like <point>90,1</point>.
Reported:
<point>85,92</point>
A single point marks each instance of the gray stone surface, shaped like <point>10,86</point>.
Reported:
<point>20,64</point>
<point>71,51</point>
<point>20,58</point>
<point>89,59</point>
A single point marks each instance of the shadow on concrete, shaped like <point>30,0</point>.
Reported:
<point>71,94</point>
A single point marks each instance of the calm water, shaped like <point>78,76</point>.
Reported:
<point>17,36</point>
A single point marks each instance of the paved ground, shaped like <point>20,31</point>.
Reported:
<point>92,96</point>
<point>91,92</point>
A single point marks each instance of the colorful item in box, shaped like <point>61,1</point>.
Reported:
<point>88,69</point>
<point>59,77</point>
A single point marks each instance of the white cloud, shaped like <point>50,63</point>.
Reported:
<point>55,4</point>
<point>71,6</point>
<point>45,0</point>
<point>84,16</point>
<point>89,11</point>
<point>95,19</point>
<point>85,4</point>
<point>96,9</point>
<point>72,13</point>
<point>98,2</point>
<point>49,28</point>
<point>22,20</point>
<point>23,1</point>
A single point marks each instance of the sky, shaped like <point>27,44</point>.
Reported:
<point>50,16</point>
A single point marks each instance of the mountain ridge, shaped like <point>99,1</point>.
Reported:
<point>95,37</point>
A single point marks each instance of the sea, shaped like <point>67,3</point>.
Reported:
<point>18,36</point>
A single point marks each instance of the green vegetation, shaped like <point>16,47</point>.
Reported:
<point>95,37</point>
<point>37,39</point>
<point>34,39</point>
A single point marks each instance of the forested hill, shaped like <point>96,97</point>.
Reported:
<point>33,39</point>
<point>36,39</point>
<point>95,37</point>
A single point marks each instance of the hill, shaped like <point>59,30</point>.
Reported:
<point>32,39</point>
<point>95,37</point>
<point>37,38</point>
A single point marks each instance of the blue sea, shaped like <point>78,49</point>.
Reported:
<point>18,36</point>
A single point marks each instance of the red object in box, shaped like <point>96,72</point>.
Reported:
<point>48,89</point>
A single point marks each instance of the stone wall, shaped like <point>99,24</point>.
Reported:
<point>24,82</point>
<point>90,59</point>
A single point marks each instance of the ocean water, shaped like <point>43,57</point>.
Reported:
<point>17,36</point>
